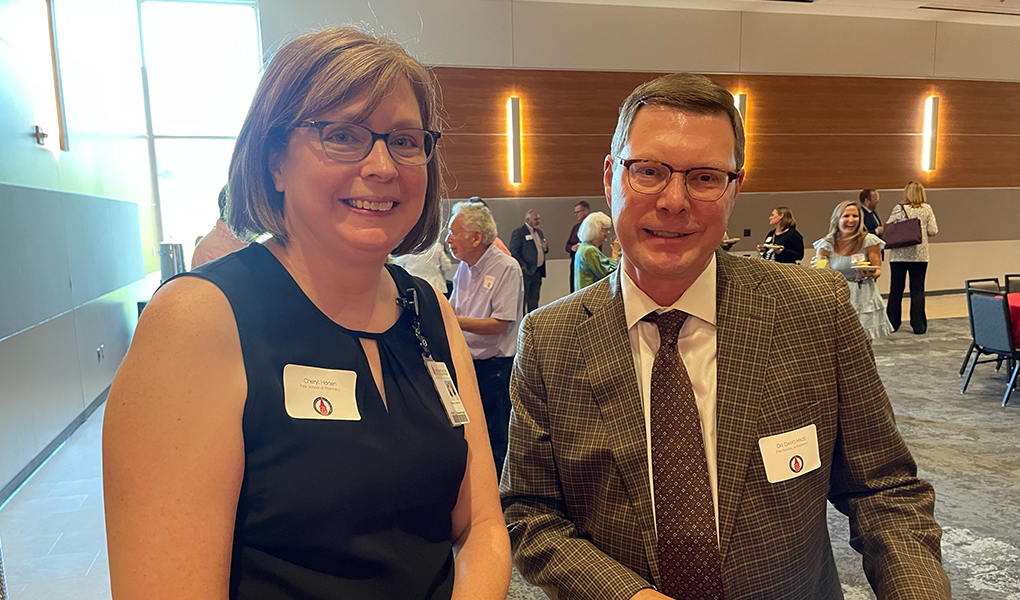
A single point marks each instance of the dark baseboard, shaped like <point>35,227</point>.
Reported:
<point>927,294</point>
<point>23,475</point>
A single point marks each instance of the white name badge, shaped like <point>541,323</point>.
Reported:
<point>488,281</point>
<point>791,454</point>
<point>447,392</point>
<point>320,394</point>
<point>529,238</point>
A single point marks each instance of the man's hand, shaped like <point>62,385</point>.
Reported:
<point>880,229</point>
<point>649,594</point>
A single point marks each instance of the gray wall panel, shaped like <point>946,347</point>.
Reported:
<point>59,250</point>
<point>963,215</point>
<point>34,272</point>
<point>106,323</point>
<point>40,393</point>
<point>104,243</point>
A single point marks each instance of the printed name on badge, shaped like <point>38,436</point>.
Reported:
<point>320,394</point>
<point>529,238</point>
<point>791,454</point>
<point>488,281</point>
<point>447,392</point>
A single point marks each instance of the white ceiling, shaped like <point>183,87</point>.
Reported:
<point>987,12</point>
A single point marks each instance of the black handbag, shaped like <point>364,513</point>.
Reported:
<point>902,234</point>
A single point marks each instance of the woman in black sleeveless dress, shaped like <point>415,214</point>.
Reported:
<point>283,426</point>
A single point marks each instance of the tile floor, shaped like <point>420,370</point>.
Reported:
<point>52,530</point>
<point>53,533</point>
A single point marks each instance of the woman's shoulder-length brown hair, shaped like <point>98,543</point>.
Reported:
<point>310,75</point>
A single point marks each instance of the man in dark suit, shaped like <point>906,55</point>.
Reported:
<point>679,426</point>
<point>528,246</point>
<point>869,200</point>
<point>581,210</point>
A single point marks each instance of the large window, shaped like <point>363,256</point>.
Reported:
<point>202,65</point>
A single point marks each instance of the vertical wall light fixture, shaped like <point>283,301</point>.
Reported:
<point>740,101</point>
<point>513,139</point>
<point>931,133</point>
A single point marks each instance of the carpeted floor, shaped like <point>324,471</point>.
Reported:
<point>967,445</point>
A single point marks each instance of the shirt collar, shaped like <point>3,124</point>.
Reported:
<point>698,300</point>
<point>530,228</point>
<point>484,258</point>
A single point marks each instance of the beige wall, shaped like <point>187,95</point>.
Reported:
<point>527,34</point>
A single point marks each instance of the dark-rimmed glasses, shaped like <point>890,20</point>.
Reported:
<point>351,143</point>
<point>706,184</point>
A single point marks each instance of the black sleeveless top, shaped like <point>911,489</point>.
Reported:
<point>335,509</point>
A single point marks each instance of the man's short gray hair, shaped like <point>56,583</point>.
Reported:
<point>592,226</point>
<point>686,92</point>
<point>476,218</point>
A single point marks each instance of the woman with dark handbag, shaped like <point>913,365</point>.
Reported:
<point>912,259</point>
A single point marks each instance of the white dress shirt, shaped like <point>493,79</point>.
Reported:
<point>540,251</point>
<point>697,346</point>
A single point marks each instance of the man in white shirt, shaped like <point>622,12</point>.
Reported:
<point>679,426</point>
<point>488,299</point>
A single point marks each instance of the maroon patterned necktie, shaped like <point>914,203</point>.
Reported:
<point>689,562</point>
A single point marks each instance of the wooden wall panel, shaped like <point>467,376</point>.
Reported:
<point>804,132</point>
<point>477,166</point>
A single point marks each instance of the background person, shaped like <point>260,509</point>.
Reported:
<point>529,247</point>
<point>497,242</point>
<point>258,383</point>
<point>784,234</point>
<point>869,202</point>
<point>218,242</point>
<point>581,210</point>
<point>488,298</point>
<point>912,259</point>
<point>846,245</point>
<point>433,265</point>
<point>590,265</point>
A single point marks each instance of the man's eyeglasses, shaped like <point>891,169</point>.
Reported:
<point>351,143</point>
<point>706,184</point>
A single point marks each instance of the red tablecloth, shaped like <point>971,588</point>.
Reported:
<point>1014,315</point>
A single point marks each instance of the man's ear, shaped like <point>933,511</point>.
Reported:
<point>607,179</point>
<point>275,160</point>
<point>740,182</point>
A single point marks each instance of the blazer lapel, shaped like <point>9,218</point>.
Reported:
<point>610,367</point>
<point>744,329</point>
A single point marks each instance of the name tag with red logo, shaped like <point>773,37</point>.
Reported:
<point>320,394</point>
<point>791,454</point>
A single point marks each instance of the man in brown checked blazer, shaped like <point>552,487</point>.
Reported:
<point>790,406</point>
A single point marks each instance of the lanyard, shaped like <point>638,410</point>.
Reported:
<point>410,300</point>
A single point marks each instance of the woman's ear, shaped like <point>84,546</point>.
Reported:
<point>276,158</point>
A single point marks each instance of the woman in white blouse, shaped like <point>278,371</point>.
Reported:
<point>911,259</point>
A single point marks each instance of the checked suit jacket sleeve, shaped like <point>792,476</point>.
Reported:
<point>791,353</point>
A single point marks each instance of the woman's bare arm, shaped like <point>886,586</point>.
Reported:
<point>173,451</point>
<point>479,532</point>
